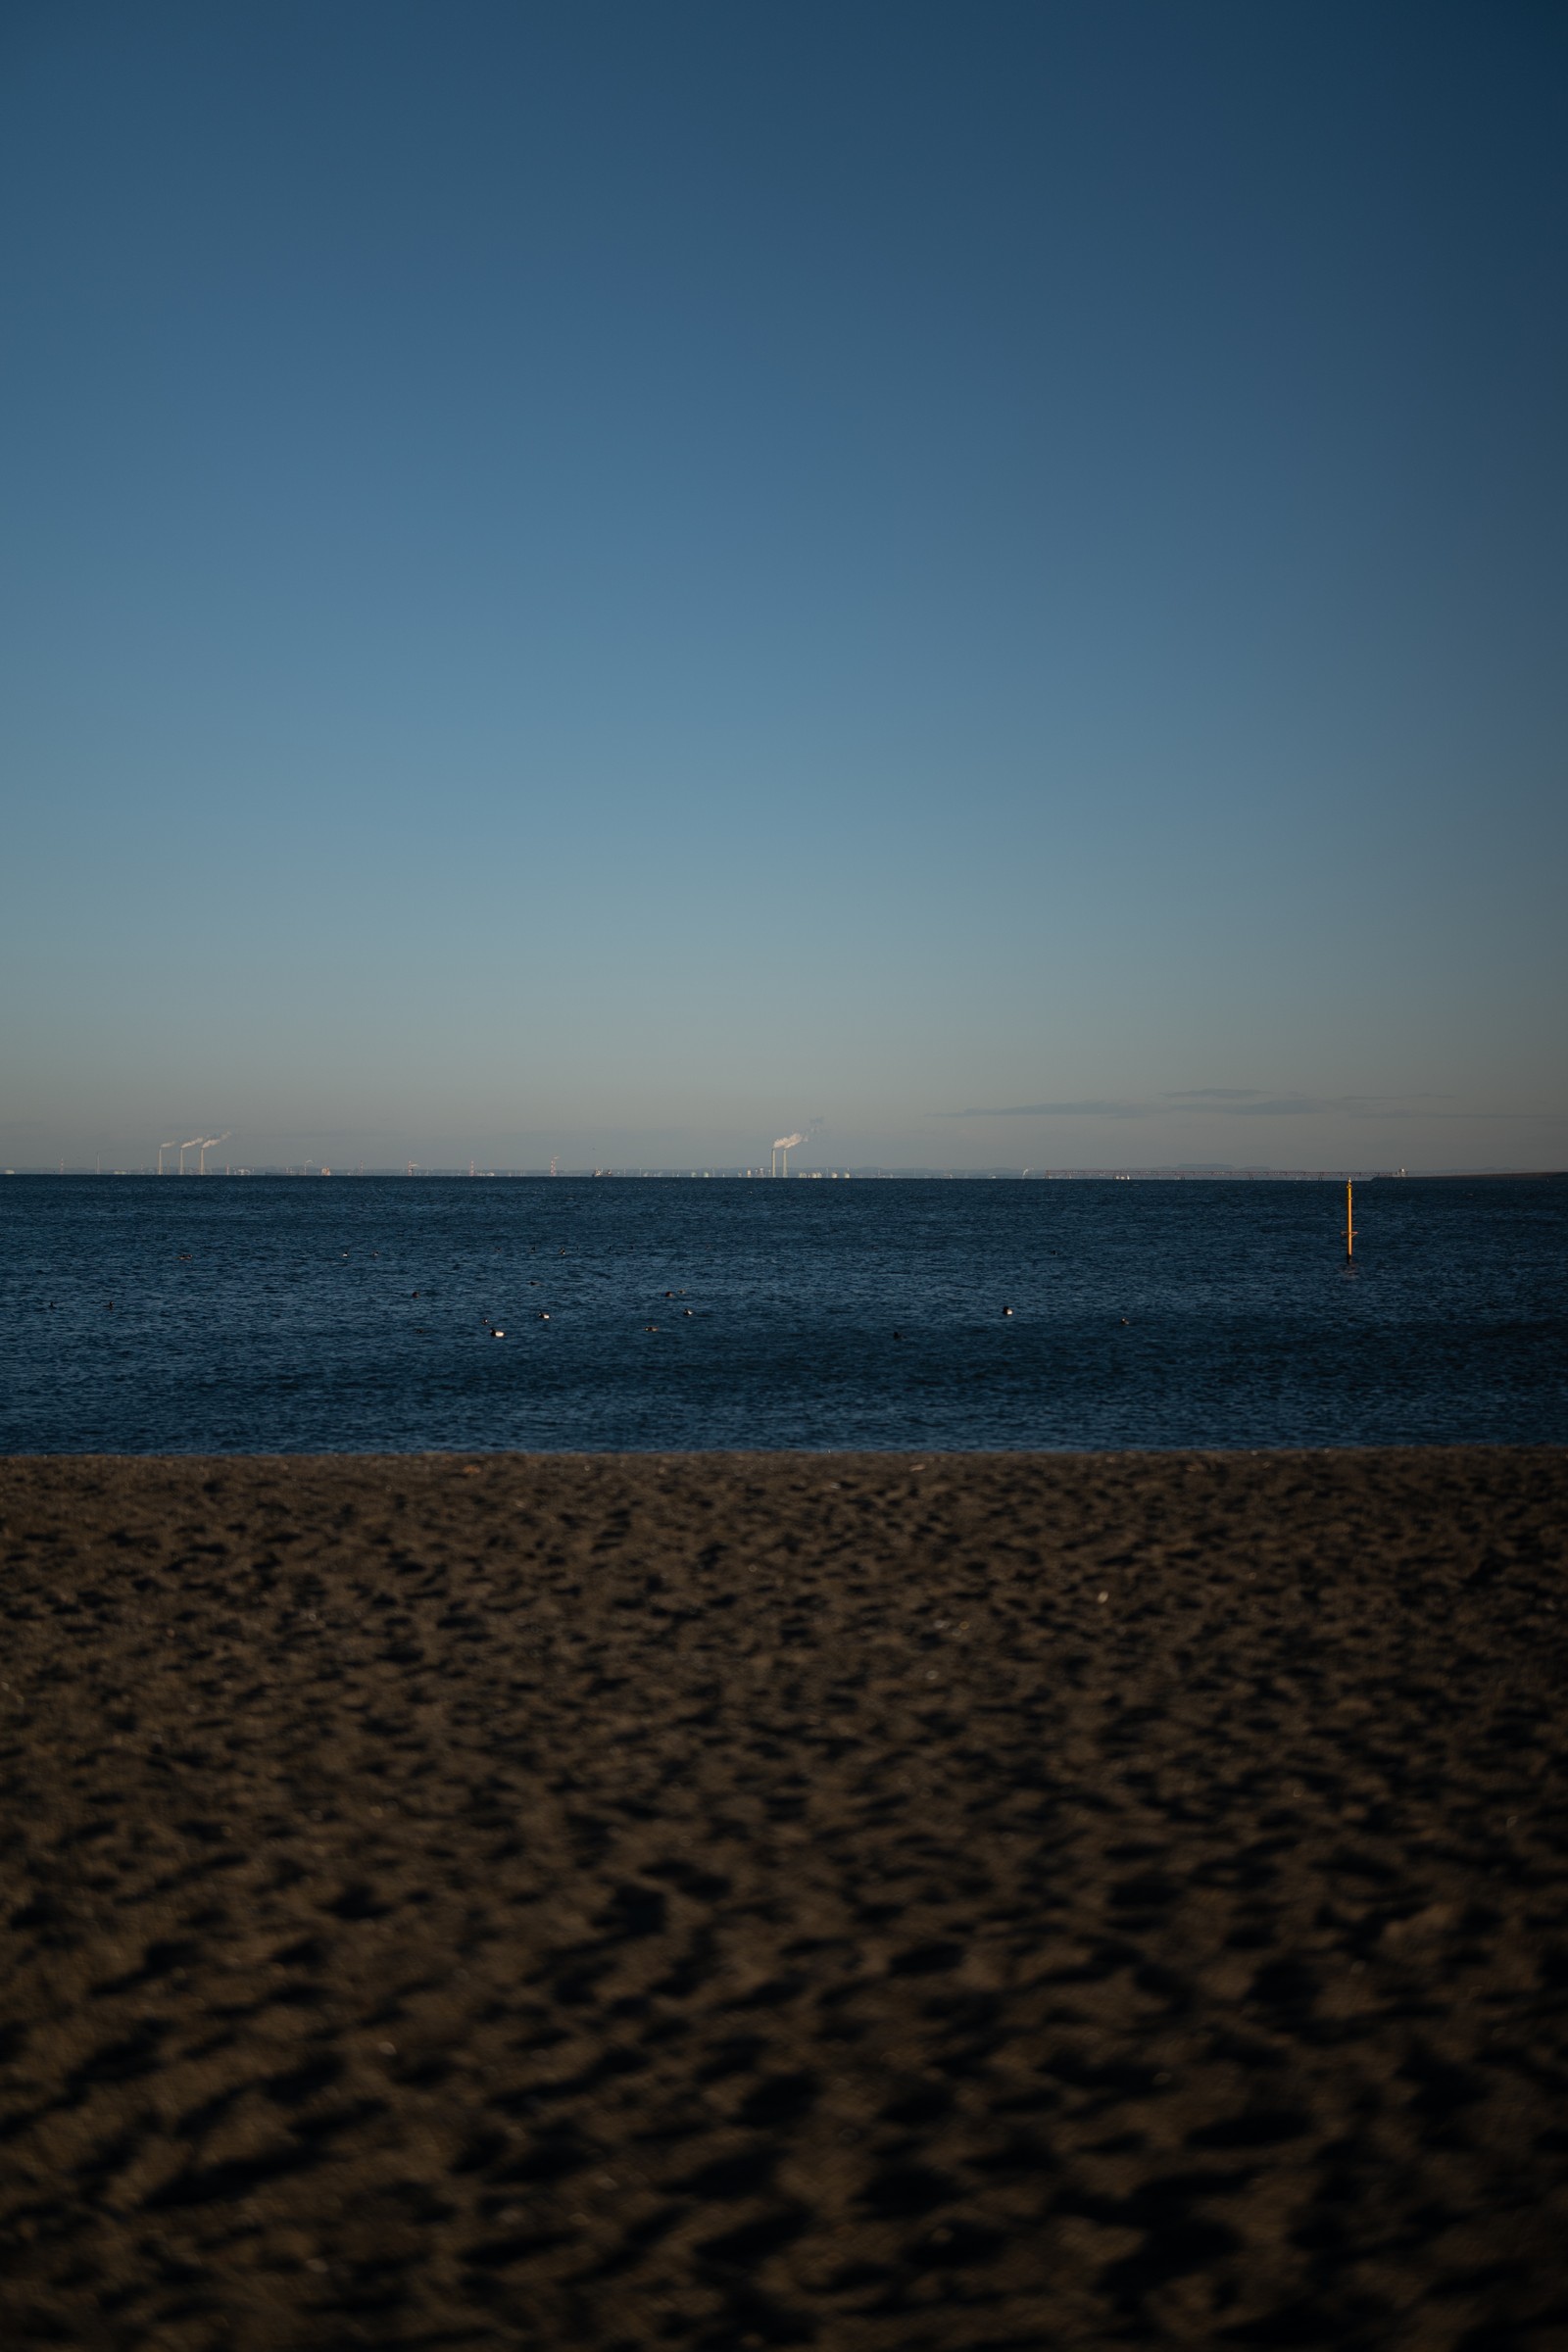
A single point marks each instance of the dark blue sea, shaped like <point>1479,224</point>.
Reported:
<point>361,1314</point>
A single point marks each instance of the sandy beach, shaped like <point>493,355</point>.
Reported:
<point>919,1904</point>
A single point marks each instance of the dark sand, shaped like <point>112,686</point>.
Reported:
<point>746,1901</point>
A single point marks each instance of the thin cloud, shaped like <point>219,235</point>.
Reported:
<point>1289,1106</point>
<point>1051,1110</point>
<point>1230,1102</point>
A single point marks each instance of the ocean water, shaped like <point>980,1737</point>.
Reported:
<point>359,1314</point>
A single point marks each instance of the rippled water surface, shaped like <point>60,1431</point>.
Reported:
<point>262,1315</point>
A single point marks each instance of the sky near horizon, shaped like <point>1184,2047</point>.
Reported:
<point>614,579</point>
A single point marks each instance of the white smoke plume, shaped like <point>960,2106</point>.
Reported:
<point>787,1143</point>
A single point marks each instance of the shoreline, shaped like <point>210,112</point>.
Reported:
<point>909,1902</point>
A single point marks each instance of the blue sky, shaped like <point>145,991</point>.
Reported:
<point>613,579</point>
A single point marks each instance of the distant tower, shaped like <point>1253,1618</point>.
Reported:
<point>554,1165</point>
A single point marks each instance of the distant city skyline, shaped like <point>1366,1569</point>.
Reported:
<point>815,1162</point>
<point>414,1172</point>
<point>601,583</point>
<point>1295,1130</point>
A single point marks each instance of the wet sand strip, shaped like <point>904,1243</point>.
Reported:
<point>951,1902</point>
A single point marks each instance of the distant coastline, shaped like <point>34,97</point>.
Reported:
<point>1217,1174</point>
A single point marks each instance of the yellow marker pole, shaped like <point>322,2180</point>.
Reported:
<point>1350,1228</point>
